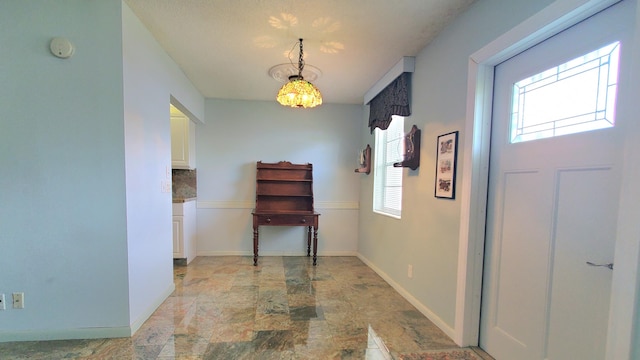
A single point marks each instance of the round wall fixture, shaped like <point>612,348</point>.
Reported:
<point>61,47</point>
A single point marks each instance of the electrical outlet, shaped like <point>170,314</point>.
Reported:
<point>410,271</point>
<point>168,172</point>
<point>2,303</point>
<point>18,300</point>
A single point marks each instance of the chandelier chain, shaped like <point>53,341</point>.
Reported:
<point>300,60</point>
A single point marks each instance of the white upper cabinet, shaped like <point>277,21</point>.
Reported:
<point>183,142</point>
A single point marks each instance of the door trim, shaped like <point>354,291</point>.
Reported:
<point>558,16</point>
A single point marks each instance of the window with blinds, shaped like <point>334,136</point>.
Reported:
<point>387,180</point>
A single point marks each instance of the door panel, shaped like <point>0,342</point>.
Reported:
<point>579,309</point>
<point>516,245</point>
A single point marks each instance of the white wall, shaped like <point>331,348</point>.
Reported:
<point>151,79</point>
<point>63,239</point>
<point>427,235</point>
<point>440,97</point>
<point>85,232</point>
<point>237,134</point>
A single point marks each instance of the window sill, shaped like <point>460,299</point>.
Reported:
<point>387,214</point>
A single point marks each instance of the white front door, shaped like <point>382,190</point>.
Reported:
<point>553,201</point>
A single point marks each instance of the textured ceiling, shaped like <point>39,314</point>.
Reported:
<point>226,47</point>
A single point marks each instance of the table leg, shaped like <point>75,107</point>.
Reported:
<point>315,245</point>
<point>309,241</point>
<point>255,246</point>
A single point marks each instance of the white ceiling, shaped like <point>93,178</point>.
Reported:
<point>226,47</point>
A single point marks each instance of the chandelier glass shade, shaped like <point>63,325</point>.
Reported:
<point>298,92</point>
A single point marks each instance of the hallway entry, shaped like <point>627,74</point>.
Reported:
<point>554,181</point>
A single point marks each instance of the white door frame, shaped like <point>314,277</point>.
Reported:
<point>475,165</point>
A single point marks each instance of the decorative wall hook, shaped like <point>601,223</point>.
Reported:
<point>411,149</point>
<point>365,161</point>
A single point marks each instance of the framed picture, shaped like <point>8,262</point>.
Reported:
<point>446,165</point>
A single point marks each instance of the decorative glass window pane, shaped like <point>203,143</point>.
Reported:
<point>577,96</point>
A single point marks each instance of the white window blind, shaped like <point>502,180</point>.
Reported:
<point>387,180</point>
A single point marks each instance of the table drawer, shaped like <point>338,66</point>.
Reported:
<point>286,220</point>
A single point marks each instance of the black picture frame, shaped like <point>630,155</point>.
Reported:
<point>446,163</point>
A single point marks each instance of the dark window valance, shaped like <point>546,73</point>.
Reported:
<point>392,100</point>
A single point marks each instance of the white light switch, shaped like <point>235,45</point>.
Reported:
<point>165,186</point>
<point>18,300</point>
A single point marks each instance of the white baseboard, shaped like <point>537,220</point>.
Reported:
<point>223,253</point>
<point>446,328</point>
<point>135,326</point>
<point>66,334</point>
<point>86,333</point>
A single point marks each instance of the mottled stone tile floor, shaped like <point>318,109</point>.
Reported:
<point>284,308</point>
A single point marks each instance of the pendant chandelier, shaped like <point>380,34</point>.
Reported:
<point>298,92</point>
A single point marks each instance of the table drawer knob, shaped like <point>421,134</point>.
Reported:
<point>268,220</point>
<point>303,220</point>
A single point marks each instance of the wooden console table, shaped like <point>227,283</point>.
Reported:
<point>284,197</point>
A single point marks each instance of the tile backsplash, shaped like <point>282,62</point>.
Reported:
<point>184,184</point>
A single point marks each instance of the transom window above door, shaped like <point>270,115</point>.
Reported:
<point>577,96</point>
